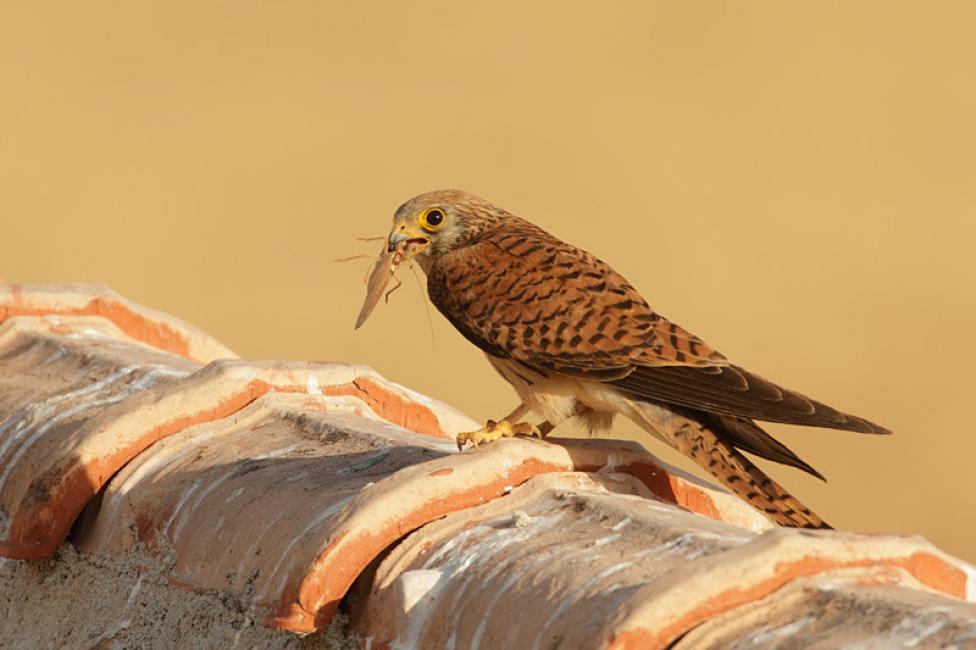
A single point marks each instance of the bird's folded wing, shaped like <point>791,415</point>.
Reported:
<point>731,390</point>
<point>520,293</point>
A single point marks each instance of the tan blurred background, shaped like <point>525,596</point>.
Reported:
<point>795,183</point>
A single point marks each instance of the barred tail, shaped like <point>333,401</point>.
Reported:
<point>723,461</point>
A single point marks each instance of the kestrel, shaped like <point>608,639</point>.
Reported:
<point>576,340</point>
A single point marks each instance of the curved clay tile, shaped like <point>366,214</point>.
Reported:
<point>78,403</point>
<point>152,327</point>
<point>295,496</point>
<point>572,561</point>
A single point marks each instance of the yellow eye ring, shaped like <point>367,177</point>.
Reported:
<point>432,219</point>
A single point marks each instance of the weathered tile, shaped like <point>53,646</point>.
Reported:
<point>548,566</point>
<point>672,484</point>
<point>296,494</point>
<point>285,482</point>
<point>224,386</point>
<point>695,592</point>
<point>260,501</point>
<point>60,379</point>
<point>564,562</point>
<point>880,606</point>
<point>80,399</point>
<point>152,327</point>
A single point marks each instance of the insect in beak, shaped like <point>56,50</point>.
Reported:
<point>383,271</point>
<point>400,247</point>
<point>415,240</point>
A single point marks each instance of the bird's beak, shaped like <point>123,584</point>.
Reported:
<point>412,239</point>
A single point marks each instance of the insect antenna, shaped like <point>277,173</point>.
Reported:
<point>356,257</point>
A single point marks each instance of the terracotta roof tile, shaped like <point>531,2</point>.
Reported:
<point>79,403</point>
<point>285,483</point>
<point>695,592</point>
<point>152,327</point>
<point>253,500</point>
<point>550,565</point>
<point>567,561</point>
<point>296,494</point>
<point>877,606</point>
<point>60,379</point>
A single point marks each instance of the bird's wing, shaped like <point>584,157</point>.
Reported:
<point>522,294</point>
<point>731,390</point>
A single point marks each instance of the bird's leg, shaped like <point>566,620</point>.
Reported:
<point>505,428</point>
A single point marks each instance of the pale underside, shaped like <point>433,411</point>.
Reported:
<point>557,398</point>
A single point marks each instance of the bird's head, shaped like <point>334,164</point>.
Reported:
<point>439,222</point>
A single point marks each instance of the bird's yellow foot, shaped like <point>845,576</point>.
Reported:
<point>495,430</point>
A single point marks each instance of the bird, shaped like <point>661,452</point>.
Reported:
<point>577,341</point>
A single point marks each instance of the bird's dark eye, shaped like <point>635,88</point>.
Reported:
<point>432,219</point>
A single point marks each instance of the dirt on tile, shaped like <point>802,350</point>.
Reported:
<point>75,601</point>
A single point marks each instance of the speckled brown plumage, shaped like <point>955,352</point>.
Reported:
<point>519,291</point>
<point>561,324</point>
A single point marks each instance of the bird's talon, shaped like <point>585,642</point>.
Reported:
<point>495,430</point>
<point>491,432</point>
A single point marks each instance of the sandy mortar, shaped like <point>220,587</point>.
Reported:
<point>76,601</point>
